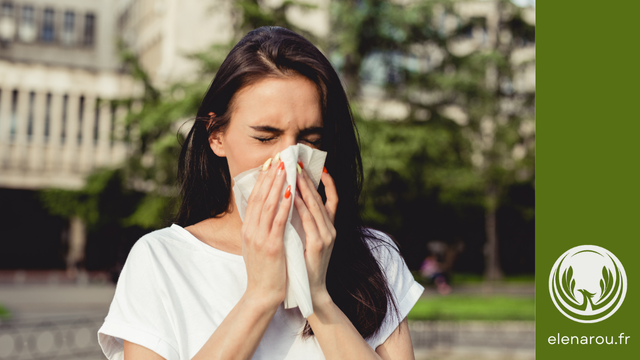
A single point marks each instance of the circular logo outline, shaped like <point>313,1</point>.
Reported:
<point>558,284</point>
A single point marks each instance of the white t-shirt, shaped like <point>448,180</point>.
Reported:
<point>174,291</point>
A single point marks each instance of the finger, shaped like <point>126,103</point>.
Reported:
<point>308,221</point>
<point>280,221</point>
<point>254,191</point>
<point>318,199</point>
<point>262,192</point>
<point>332,195</point>
<point>260,179</point>
<point>313,202</point>
<point>270,207</point>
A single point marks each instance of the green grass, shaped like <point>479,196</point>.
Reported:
<point>4,313</point>
<point>473,307</point>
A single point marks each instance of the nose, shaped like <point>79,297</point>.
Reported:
<point>287,141</point>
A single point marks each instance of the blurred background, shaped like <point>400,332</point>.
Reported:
<point>96,96</point>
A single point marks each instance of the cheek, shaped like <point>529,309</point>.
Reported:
<point>243,155</point>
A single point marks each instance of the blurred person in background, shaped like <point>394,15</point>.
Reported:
<point>431,270</point>
<point>211,285</point>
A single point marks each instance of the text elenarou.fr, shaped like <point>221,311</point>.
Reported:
<point>588,340</point>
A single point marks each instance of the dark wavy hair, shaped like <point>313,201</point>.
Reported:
<point>355,280</point>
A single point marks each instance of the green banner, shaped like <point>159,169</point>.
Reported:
<point>587,180</point>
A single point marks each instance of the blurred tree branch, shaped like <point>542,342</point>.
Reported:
<point>419,46</point>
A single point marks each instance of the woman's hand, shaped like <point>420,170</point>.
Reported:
<point>262,236</point>
<point>317,221</point>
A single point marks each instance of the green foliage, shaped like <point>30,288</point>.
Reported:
<point>412,160</point>
<point>409,53</point>
<point>5,314</point>
<point>104,200</point>
<point>150,210</point>
<point>473,307</point>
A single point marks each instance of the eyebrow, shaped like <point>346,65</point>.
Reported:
<point>271,129</point>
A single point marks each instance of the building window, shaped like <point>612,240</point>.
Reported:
<point>47,26</point>
<point>47,118</point>
<point>68,28</point>
<point>80,118</point>
<point>32,99</point>
<point>112,128</point>
<point>7,9</point>
<point>7,23</point>
<point>96,122</point>
<point>63,131</point>
<point>27,29</point>
<point>13,122</point>
<point>89,29</point>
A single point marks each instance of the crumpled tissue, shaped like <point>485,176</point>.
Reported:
<point>298,293</point>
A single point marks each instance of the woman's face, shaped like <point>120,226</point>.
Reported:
<point>267,117</point>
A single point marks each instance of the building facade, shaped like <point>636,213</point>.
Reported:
<point>59,71</point>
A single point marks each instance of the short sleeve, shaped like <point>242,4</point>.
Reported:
<point>401,283</point>
<point>137,313</point>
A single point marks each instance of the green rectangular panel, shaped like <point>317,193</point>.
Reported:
<point>587,167</point>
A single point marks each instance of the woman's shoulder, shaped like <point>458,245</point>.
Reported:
<point>380,243</point>
<point>168,240</point>
<point>385,250</point>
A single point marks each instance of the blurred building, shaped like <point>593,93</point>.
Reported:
<point>163,33</point>
<point>59,69</point>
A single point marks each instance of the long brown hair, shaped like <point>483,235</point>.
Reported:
<point>355,281</point>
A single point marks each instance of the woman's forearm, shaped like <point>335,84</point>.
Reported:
<point>335,333</point>
<point>240,332</point>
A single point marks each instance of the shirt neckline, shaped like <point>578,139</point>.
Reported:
<point>189,237</point>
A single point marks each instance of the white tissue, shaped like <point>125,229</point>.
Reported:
<point>298,293</point>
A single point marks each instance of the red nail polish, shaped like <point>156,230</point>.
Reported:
<point>324,170</point>
<point>287,193</point>
<point>281,166</point>
<point>300,163</point>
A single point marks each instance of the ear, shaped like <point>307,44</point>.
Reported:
<point>216,144</point>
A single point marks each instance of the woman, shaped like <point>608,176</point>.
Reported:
<point>212,286</point>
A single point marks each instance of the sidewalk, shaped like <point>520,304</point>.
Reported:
<point>53,321</point>
<point>31,301</point>
<point>39,307</point>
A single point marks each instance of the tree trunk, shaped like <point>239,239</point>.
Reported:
<point>350,76</point>
<point>77,242</point>
<point>491,254</point>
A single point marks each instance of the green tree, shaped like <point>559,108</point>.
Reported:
<point>442,64</point>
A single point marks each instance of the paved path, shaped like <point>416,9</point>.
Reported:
<point>31,301</point>
<point>37,302</point>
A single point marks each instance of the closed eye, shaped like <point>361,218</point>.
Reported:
<point>313,142</point>
<point>264,139</point>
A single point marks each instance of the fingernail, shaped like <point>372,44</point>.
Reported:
<point>299,168</point>
<point>301,165</point>
<point>277,157</point>
<point>266,164</point>
<point>324,170</point>
<point>280,168</point>
<point>287,193</point>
